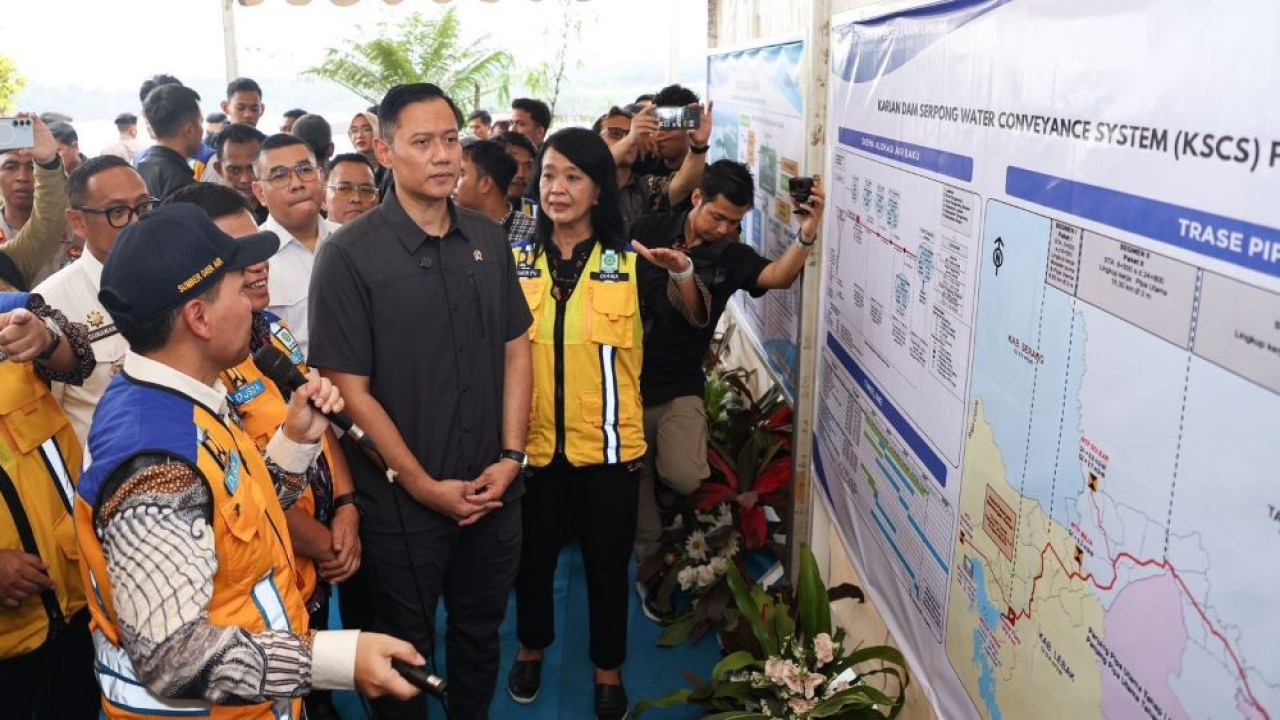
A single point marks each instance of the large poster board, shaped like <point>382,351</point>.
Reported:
<point>758,119</point>
<point>1049,382</point>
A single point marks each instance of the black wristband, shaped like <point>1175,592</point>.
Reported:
<point>348,499</point>
<point>54,164</point>
<point>696,150</point>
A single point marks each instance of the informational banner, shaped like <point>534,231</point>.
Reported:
<point>758,119</point>
<point>1049,383</point>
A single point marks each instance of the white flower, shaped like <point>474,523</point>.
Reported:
<point>724,517</point>
<point>706,576</point>
<point>696,545</point>
<point>824,648</point>
<point>718,565</point>
<point>686,576</point>
<point>732,546</point>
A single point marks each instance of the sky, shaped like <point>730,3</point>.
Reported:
<point>86,58</point>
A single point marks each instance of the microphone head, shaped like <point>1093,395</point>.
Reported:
<point>277,366</point>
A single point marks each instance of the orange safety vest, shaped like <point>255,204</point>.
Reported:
<point>261,406</point>
<point>255,587</point>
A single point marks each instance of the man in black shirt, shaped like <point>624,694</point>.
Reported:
<point>173,112</point>
<point>417,316</point>
<point>672,380</point>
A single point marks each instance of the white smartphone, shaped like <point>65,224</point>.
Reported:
<point>16,133</point>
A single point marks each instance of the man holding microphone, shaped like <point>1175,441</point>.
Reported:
<point>184,548</point>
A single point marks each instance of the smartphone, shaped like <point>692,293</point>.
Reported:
<point>16,133</point>
<point>800,189</point>
<point>688,117</point>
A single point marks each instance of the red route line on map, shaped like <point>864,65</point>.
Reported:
<point>1013,618</point>
<point>857,220</point>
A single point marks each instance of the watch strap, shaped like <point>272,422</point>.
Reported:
<point>348,499</point>
<point>55,333</point>
<point>521,458</point>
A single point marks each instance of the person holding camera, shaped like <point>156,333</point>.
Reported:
<point>33,191</point>
<point>673,380</point>
<point>625,132</point>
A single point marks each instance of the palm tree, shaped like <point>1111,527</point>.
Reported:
<point>419,50</point>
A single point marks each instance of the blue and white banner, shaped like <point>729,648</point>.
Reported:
<point>1049,372</point>
<point>758,119</point>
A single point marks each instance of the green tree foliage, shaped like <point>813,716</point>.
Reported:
<point>11,83</point>
<point>419,50</point>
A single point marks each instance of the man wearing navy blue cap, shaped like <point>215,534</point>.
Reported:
<point>179,518</point>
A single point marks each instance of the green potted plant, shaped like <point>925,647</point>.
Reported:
<point>798,667</point>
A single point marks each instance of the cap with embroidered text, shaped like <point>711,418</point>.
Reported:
<point>171,255</point>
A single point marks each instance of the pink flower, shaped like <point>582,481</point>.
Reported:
<point>824,648</point>
<point>773,669</point>
<point>811,683</point>
<point>801,707</point>
<point>793,676</point>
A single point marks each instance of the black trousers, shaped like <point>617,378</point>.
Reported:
<point>473,568</point>
<point>596,504</point>
<point>54,682</point>
<point>355,602</point>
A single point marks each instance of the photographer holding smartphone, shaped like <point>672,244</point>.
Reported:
<point>33,201</point>
<point>672,381</point>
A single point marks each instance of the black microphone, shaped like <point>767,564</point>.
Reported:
<point>421,679</point>
<point>280,370</point>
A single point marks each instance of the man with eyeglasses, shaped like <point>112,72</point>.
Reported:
<point>291,186</point>
<point>236,148</point>
<point>105,195</point>
<point>351,191</point>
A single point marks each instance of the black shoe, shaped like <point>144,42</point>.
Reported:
<point>524,681</point>
<point>650,608</point>
<point>611,702</point>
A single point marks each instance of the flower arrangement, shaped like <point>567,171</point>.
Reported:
<point>749,452</point>
<point>697,550</point>
<point>798,668</point>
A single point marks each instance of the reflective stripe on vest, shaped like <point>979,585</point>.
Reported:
<point>121,687</point>
<point>52,455</point>
<point>267,597</point>
<point>599,345</point>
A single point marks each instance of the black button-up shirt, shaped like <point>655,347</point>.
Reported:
<point>427,320</point>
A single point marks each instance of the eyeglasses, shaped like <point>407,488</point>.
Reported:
<point>615,133</point>
<point>278,176</point>
<point>350,190</point>
<point>119,216</point>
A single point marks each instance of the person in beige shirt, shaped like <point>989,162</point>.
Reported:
<point>33,198</point>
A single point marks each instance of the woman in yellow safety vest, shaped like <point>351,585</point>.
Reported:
<point>586,435</point>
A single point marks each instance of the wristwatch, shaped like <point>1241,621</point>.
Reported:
<point>516,455</point>
<point>348,499</point>
<point>55,333</point>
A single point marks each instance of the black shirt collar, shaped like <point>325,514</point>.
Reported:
<point>410,235</point>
